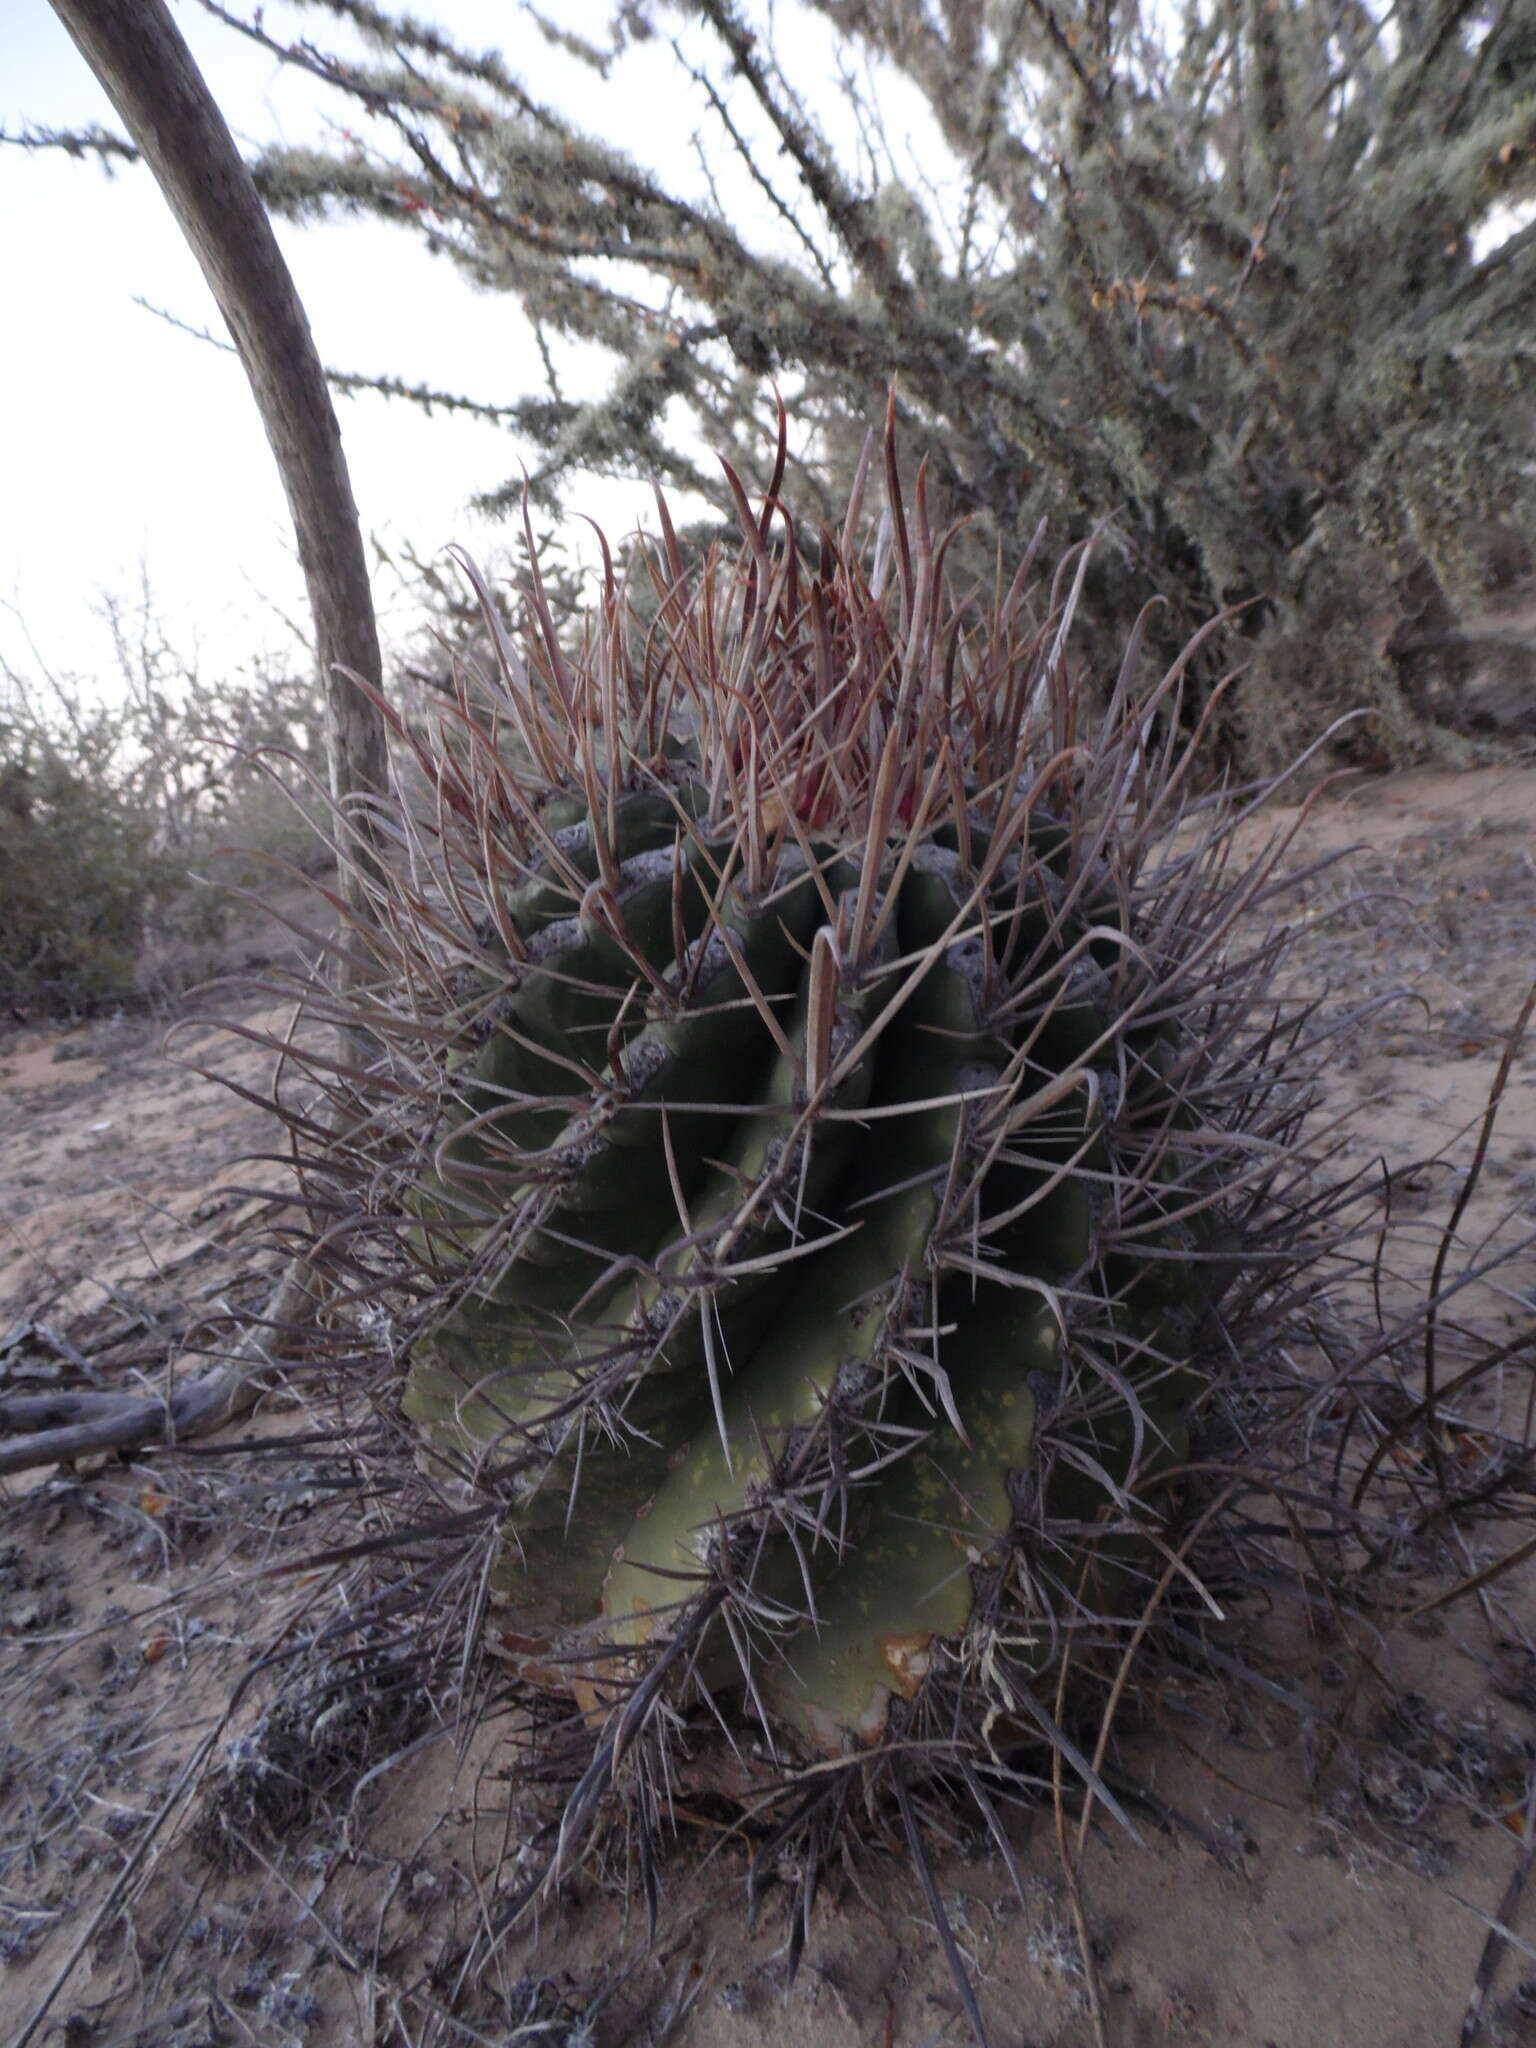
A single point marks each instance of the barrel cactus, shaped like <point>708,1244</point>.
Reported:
<point>834,1145</point>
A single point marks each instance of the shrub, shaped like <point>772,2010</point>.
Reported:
<point>122,798</point>
<point>79,875</point>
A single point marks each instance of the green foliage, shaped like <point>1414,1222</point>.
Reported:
<point>1229,278</point>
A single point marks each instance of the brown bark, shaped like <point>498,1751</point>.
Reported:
<point>137,52</point>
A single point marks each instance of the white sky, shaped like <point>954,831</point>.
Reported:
<point>125,442</point>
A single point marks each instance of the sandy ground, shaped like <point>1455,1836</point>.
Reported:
<point>120,1168</point>
<point>1283,1899</point>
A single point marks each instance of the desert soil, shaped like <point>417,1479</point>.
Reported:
<point>1283,1899</point>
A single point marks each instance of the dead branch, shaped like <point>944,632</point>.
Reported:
<point>60,1428</point>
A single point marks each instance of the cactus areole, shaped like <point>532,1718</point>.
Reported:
<point>846,1122</point>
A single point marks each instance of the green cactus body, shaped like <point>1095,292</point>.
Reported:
<point>836,1132</point>
<point>717,1170</point>
<point>932,1520</point>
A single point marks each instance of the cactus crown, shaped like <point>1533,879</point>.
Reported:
<point>830,1144</point>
